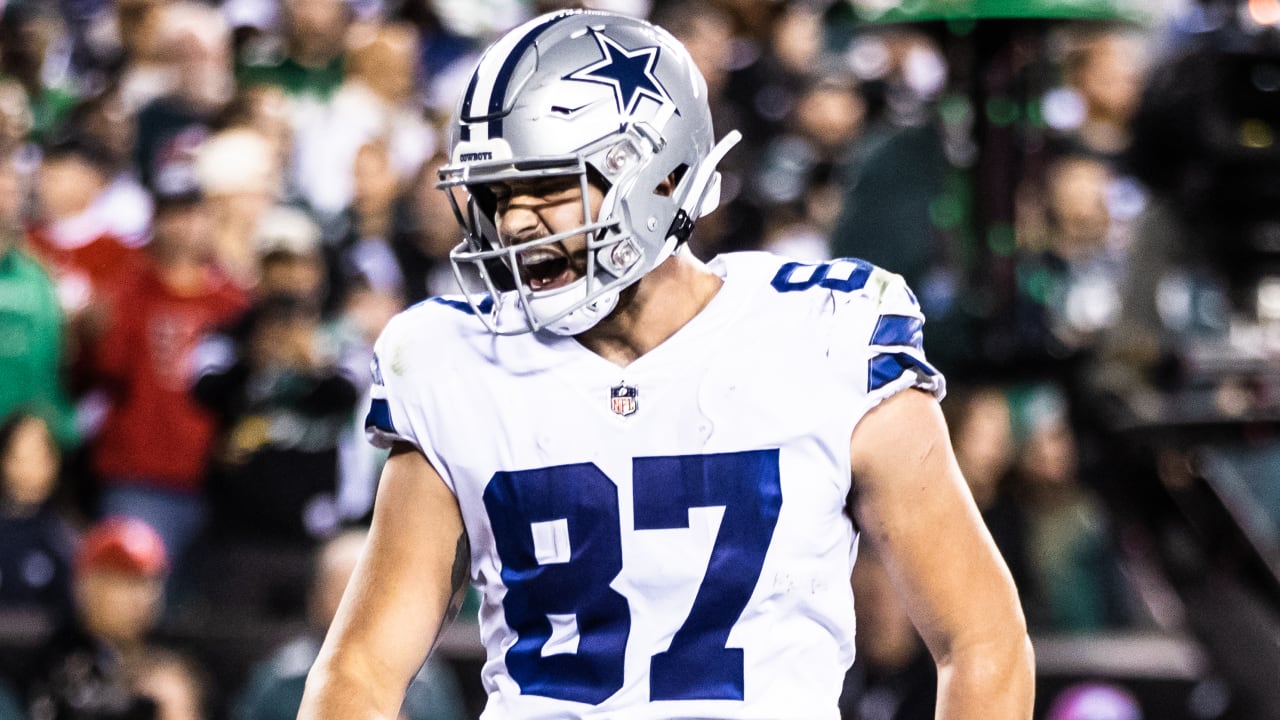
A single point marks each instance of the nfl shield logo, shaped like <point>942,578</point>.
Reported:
<point>623,399</point>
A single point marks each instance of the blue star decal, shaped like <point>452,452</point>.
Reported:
<point>629,72</point>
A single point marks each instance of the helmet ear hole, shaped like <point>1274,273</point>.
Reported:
<point>668,186</point>
<point>597,178</point>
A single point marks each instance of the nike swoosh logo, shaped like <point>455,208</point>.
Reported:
<point>560,109</point>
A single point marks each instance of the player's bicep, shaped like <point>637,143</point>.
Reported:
<point>416,559</point>
<point>911,502</point>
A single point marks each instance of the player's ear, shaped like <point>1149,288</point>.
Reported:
<point>667,186</point>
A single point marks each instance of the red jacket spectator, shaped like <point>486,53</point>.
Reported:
<point>86,262</point>
<point>73,240</point>
<point>155,432</point>
<point>83,267</point>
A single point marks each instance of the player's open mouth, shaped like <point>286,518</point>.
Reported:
<point>545,269</point>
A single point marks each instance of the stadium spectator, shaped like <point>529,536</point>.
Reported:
<point>381,90</point>
<point>32,35</point>
<point>238,171</point>
<point>1073,281</point>
<point>708,31</point>
<point>265,109</point>
<point>801,175</point>
<point>119,596</point>
<point>36,541</point>
<point>88,263</point>
<point>174,682</point>
<point>424,236</point>
<point>899,168</point>
<point>445,59</point>
<point>144,66</point>
<point>152,452</point>
<point>124,206</point>
<point>15,119</point>
<point>376,103</point>
<point>31,323</point>
<point>284,401</point>
<point>197,44</point>
<point>1103,72</point>
<point>311,64</point>
<point>364,255</point>
<point>290,256</point>
<point>982,432</point>
<point>1074,583</point>
<point>284,383</point>
<point>274,691</point>
<point>789,53</point>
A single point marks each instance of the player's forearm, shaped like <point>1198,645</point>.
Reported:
<point>994,682</point>
<point>334,692</point>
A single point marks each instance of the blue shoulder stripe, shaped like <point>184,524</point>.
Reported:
<point>485,305</point>
<point>887,367</point>
<point>379,417</point>
<point>902,330</point>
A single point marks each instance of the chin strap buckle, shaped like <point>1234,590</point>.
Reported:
<point>681,227</point>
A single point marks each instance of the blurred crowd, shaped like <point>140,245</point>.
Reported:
<point>209,210</point>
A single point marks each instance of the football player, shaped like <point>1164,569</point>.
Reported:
<point>655,470</point>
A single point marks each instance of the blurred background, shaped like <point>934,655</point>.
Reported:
<point>209,210</point>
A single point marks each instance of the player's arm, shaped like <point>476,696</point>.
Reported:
<point>913,505</point>
<point>411,577</point>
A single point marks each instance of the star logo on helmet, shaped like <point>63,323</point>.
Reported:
<point>629,72</point>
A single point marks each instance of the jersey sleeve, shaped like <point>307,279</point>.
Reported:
<point>879,334</point>
<point>395,412</point>
<point>388,420</point>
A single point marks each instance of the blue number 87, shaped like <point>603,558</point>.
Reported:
<point>553,589</point>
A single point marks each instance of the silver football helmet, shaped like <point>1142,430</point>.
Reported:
<point>607,99</point>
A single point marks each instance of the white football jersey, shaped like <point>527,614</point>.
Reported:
<point>668,539</point>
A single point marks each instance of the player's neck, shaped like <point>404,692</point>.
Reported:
<point>662,302</point>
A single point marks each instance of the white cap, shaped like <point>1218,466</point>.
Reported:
<point>235,161</point>
<point>288,229</point>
